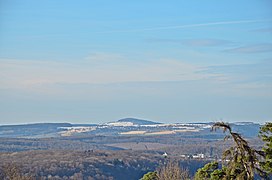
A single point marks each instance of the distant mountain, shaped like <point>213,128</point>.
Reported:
<point>119,127</point>
<point>32,130</point>
<point>37,125</point>
<point>137,121</point>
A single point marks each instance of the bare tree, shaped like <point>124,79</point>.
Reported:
<point>11,171</point>
<point>172,171</point>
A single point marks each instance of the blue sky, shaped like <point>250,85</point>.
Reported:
<point>167,61</point>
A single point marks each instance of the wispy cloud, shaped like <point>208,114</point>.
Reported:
<point>186,26</point>
<point>28,74</point>
<point>244,73</point>
<point>246,79</point>
<point>191,42</point>
<point>264,30</point>
<point>255,48</point>
<point>101,70</point>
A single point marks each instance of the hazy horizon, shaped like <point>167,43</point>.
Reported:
<point>115,120</point>
<point>99,61</point>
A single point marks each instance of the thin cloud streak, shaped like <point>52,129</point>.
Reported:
<point>188,26</point>
<point>255,48</point>
<point>264,30</point>
<point>192,42</point>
